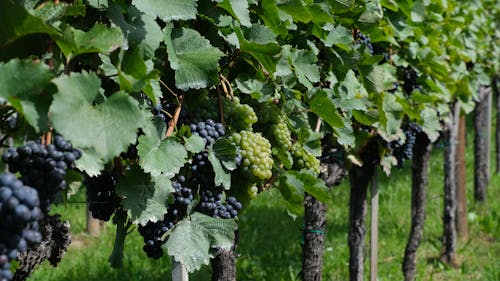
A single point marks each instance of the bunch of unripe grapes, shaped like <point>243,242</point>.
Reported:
<point>19,224</point>
<point>240,116</point>
<point>304,159</point>
<point>101,195</point>
<point>282,134</point>
<point>43,166</point>
<point>256,153</point>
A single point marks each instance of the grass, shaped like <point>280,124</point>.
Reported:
<point>270,240</point>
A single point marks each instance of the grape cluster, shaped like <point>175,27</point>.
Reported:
<point>410,78</point>
<point>165,111</point>
<point>304,159</point>
<point>208,130</point>
<point>101,195</point>
<point>256,153</point>
<point>20,215</point>
<point>404,150</point>
<point>240,116</point>
<point>362,39</point>
<point>282,135</point>
<point>43,166</point>
<point>152,232</point>
<point>211,204</point>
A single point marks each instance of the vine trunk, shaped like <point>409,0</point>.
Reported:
<point>420,179</point>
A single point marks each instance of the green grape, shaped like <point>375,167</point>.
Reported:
<point>239,116</point>
<point>256,153</point>
<point>304,159</point>
<point>282,134</point>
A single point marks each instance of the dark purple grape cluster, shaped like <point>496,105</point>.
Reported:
<point>43,166</point>
<point>165,111</point>
<point>19,224</point>
<point>209,130</point>
<point>211,204</point>
<point>362,39</point>
<point>101,195</point>
<point>152,232</point>
<point>404,150</point>
<point>410,80</point>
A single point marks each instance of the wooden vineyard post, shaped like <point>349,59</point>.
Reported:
<point>462,229</point>
<point>93,225</point>
<point>374,229</point>
<point>179,271</point>
<point>481,140</point>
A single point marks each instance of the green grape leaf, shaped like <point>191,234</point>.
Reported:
<point>192,57</point>
<point>341,6</point>
<point>194,143</point>
<point>98,4</point>
<point>265,54</point>
<point>159,155</point>
<point>339,36</point>
<point>296,9</point>
<point>144,196</point>
<point>259,90</point>
<point>313,185</point>
<point>24,94</point>
<point>168,10</point>
<point>135,74</point>
<point>304,63</point>
<point>430,124</point>
<point>17,22</point>
<point>139,28</point>
<point>90,162</point>
<point>325,108</point>
<point>108,127</point>
<point>222,177</point>
<point>100,39</point>
<point>226,151</point>
<point>345,134</point>
<point>292,189</point>
<point>239,9</point>
<point>191,240</point>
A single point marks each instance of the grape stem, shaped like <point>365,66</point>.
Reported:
<point>221,108</point>
<point>168,88</point>
<point>173,122</point>
<point>224,81</point>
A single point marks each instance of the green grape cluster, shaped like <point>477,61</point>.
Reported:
<point>304,159</point>
<point>256,153</point>
<point>282,134</point>
<point>240,116</point>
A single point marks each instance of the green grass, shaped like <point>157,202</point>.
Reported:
<point>270,240</point>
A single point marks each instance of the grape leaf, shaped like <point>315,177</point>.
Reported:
<point>192,57</point>
<point>98,4</point>
<point>17,22</point>
<point>139,28</point>
<point>265,54</point>
<point>159,155</point>
<point>90,162</point>
<point>194,143</point>
<point>144,196</point>
<point>226,151</point>
<point>100,39</point>
<point>24,94</point>
<point>190,241</point>
<point>324,107</point>
<point>169,10</point>
<point>222,177</point>
<point>239,9</point>
<point>108,127</point>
